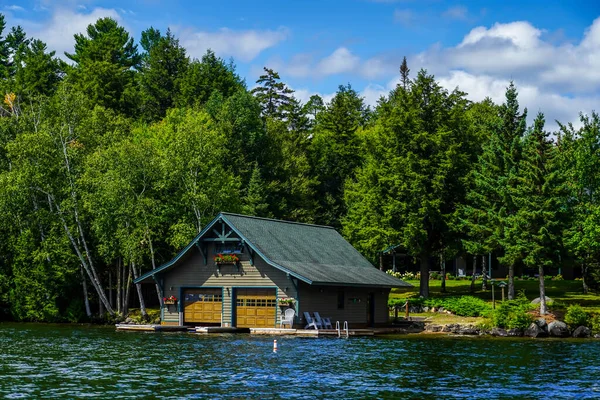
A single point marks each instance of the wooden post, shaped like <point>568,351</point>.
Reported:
<point>502,293</point>
<point>406,314</point>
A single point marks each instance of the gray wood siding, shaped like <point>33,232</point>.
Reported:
<point>323,299</point>
<point>193,273</point>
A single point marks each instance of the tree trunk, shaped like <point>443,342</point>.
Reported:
<point>424,284</point>
<point>443,269</point>
<point>127,287</point>
<point>381,261</point>
<point>473,274</point>
<point>158,292</point>
<point>119,307</point>
<point>110,289</point>
<point>86,300</point>
<point>543,309</point>
<point>484,272</point>
<point>138,286</point>
<point>584,271</point>
<point>85,261</point>
<point>101,310</point>
<point>511,282</point>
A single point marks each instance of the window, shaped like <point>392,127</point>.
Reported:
<point>229,248</point>
<point>340,299</point>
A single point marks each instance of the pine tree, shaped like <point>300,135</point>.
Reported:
<point>335,151</point>
<point>38,72</point>
<point>105,59</point>
<point>404,71</point>
<point>413,179</point>
<point>579,155</point>
<point>206,77</point>
<point>273,95</point>
<point>534,230</point>
<point>163,67</point>
<point>490,200</point>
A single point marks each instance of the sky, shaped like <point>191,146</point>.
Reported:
<point>550,49</point>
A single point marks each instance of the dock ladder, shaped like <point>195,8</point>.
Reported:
<point>339,331</point>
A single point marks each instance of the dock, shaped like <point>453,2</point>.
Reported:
<point>207,330</point>
<point>152,328</point>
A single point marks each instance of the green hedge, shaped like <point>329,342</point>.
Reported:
<point>465,306</point>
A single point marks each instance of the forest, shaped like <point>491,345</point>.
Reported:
<point>113,161</point>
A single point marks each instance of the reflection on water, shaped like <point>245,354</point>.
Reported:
<point>74,361</point>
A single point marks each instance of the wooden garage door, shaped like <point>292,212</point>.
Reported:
<point>256,308</point>
<point>202,306</point>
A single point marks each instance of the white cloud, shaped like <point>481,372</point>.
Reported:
<point>14,7</point>
<point>373,92</point>
<point>456,12</point>
<point>404,17</point>
<point>554,105</point>
<point>340,61</point>
<point>58,31</point>
<point>243,45</point>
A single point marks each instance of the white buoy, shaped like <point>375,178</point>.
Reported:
<point>275,346</point>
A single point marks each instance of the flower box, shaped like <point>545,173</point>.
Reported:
<point>170,302</point>
<point>286,302</point>
<point>226,259</point>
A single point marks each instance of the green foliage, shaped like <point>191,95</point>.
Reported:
<point>162,70</point>
<point>595,323</point>
<point>576,316</point>
<point>464,306</point>
<point>104,61</point>
<point>121,158</point>
<point>272,94</point>
<point>420,152</point>
<point>513,314</point>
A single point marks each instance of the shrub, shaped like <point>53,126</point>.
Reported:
<point>575,316</point>
<point>512,314</point>
<point>464,306</point>
<point>595,323</point>
<point>469,306</point>
<point>558,277</point>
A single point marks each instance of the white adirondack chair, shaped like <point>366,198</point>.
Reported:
<point>288,318</point>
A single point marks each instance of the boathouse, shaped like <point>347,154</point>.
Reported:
<point>240,269</point>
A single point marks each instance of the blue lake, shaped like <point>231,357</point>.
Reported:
<point>68,361</point>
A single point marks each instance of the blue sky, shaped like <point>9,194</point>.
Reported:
<point>551,49</point>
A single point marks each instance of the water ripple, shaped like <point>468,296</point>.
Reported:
<point>48,361</point>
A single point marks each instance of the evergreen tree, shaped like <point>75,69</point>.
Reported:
<point>163,67</point>
<point>335,152</point>
<point>105,59</point>
<point>274,96</point>
<point>490,199</point>
<point>579,154</point>
<point>414,176</point>
<point>38,72</point>
<point>208,76</point>
<point>4,51</point>
<point>404,71</point>
<point>534,231</point>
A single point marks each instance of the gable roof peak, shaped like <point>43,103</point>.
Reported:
<point>223,213</point>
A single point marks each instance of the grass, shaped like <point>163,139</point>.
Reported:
<point>564,293</point>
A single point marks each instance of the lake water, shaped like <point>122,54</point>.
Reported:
<point>66,361</point>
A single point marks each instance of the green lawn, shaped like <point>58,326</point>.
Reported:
<point>567,292</point>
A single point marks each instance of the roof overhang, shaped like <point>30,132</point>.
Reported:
<point>197,239</point>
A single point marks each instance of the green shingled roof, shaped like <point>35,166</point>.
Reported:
<point>318,253</point>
